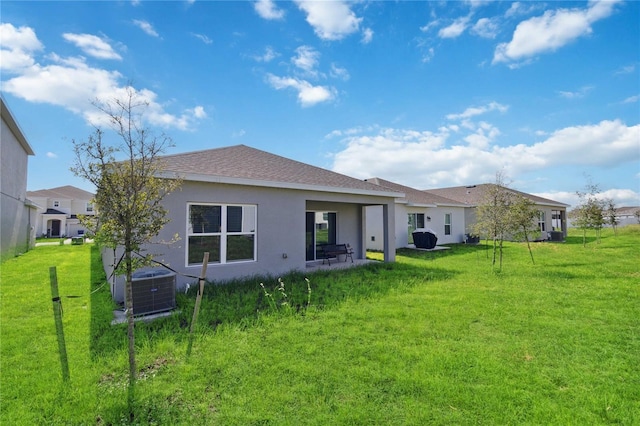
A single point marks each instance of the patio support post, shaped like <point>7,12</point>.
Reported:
<point>389,220</point>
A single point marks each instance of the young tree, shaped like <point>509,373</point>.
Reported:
<point>589,212</point>
<point>523,214</point>
<point>611,217</point>
<point>128,190</point>
<point>492,216</point>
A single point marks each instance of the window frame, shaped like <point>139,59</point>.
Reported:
<point>413,220</point>
<point>223,233</point>
<point>448,223</point>
<point>542,221</point>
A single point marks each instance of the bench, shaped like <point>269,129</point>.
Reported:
<point>334,250</point>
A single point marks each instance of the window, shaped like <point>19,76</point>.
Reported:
<point>227,232</point>
<point>89,207</point>
<point>447,224</point>
<point>542,224</point>
<point>556,220</point>
<point>415,221</point>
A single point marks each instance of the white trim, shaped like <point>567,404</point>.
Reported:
<point>223,234</point>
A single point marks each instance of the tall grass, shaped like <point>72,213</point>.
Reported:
<point>436,338</point>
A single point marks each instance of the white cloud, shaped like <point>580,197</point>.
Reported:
<point>603,144</point>
<point>621,197</point>
<point>486,28</point>
<point>331,20</point>
<point>429,160</point>
<point>267,9</point>
<point>522,8</point>
<point>51,155</point>
<point>455,29</point>
<point>92,45</point>
<point>625,70</point>
<point>268,55</point>
<point>18,46</point>
<point>199,112</point>
<point>367,36</point>
<point>581,93</point>
<point>308,95</point>
<point>203,38</point>
<point>473,111</point>
<point>631,99</point>
<point>551,31</point>
<point>428,55</point>
<point>306,59</point>
<point>146,27</point>
<point>340,73</point>
<point>72,84</point>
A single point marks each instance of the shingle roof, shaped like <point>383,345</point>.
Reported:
<point>472,195</point>
<point>54,211</point>
<point>627,211</point>
<point>62,192</point>
<point>245,165</point>
<point>415,196</point>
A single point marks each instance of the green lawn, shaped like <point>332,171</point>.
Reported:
<point>436,338</point>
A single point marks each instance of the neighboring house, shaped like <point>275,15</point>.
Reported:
<point>552,217</point>
<point>260,214</point>
<point>628,215</point>
<point>58,211</point>
<point>17,212</point>
<point>417,209</point>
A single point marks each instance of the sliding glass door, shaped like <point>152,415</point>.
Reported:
<point>320,229</point>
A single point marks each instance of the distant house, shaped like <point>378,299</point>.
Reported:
<point>552,214</point>
<point>628,215</point>
<point>417,209</point>
<point>257,213</point>
<point>18,213</point>
<point>58,211</point>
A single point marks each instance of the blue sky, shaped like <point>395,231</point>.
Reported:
<point>425,94</point>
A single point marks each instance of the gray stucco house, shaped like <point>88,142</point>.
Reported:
<point>257,213</point>
<point>417,209</point>
<point>18,213</point>
<point>552,214</point>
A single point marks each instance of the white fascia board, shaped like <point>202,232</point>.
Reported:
<point>426,205</point>
<point>271,184</point>
<point>452,205</point>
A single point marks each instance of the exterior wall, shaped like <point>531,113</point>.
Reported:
<point>16,219</point>
<point>470,216</point>
<point>374,236</point>
<point>280,231</point>
<point>458,224</point>
<point>374,240</point>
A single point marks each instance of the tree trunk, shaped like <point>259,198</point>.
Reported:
<point>526,237</point>
<point>495,249</point>
<point>130,325</point>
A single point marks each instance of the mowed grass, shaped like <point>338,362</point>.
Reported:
<point>436,338</point>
